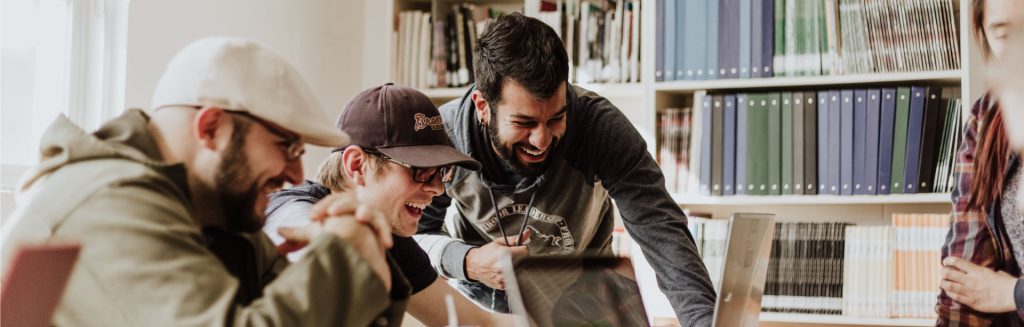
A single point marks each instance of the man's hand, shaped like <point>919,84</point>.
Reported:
<point>362,227</point>
<point>296,238</point>
<point>483,264</point>
<point>345,204</point>
<point>978,287</point>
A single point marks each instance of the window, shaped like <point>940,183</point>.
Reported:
<point>58,57</point>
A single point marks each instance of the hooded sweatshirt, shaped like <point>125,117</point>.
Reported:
<point>600,158</point>
<point>145,260</point>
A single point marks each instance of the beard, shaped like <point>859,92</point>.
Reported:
<point>507,151</point>
<point>238,207</point>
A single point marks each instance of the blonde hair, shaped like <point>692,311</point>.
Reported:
<point>331,174</point>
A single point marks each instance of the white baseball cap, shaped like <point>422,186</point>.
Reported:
<point>241,75</point>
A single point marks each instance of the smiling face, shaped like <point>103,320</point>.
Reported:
<point>524,129</point>
<point>389,187</point>
<point>254,165</point>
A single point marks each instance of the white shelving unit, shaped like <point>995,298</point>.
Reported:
<point>809,81</point>
<point>790,319</point>
<point>640,102</point>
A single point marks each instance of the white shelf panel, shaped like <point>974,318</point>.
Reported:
<point>807,81</point>
<point>444,93</point>
<point>739,200</point>
<point>841,320</point>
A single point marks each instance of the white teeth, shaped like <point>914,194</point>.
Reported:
<point>532,153</point>
<point>420,206</point>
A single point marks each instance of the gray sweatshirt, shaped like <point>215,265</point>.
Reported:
<point>600,158</point>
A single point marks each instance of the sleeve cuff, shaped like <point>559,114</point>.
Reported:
<point>453,260</point>
<point>1018,297</point>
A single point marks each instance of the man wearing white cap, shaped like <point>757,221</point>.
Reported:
<point>165,205</point>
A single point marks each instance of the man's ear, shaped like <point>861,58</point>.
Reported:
<point>209,122</point>
<point>482,108</point>
<point>353,161</point>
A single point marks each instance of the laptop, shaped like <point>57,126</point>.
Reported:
<point>34,283</point>
<point>748,249</point>
<point>602,291</point>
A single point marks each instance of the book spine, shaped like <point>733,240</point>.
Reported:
<point>886,127</point>
<point>859,141</point>
<point>846,142</point>
<point>899,139</point>
<point>871,132</point>
<point>741,144</point>
<point>798,142</point>
<point>717,144</point>
<point>810,144</point>
<point>787,142</point>
<point>659,47</point>
<point>729,157</point>
<point>705,148</point>
<point>774,144</point>
<point>915,124</point>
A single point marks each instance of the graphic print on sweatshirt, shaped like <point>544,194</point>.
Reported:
<point>550,233</point>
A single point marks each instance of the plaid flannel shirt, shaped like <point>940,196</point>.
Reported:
<point>970,236</point>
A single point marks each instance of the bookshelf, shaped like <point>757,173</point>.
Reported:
<point>682,87</point>
<point>642,101</point>
<point>754,200</point>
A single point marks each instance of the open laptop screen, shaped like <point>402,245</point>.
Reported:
<point>576,291</point>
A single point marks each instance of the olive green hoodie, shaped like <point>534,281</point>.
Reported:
<point>146,261</point>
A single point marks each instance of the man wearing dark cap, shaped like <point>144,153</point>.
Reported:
<point>397,162</point>
<point>554,157</point>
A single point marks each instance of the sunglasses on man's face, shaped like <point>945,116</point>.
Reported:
<point>421,174</point>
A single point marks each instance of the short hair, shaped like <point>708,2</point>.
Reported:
<point>331,174</point>
<point>522,49</point>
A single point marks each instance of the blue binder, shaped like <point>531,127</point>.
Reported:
<point>914,128</point>
<point>887,120</point>
<point>871,131</point>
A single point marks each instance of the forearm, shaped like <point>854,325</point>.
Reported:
<point>427,307</point>
<point>447,254</point>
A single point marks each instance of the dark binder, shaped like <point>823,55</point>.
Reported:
<point>931,140</point>
<point>717,146</point>
<point>885,139</point>
<point>767,37</point>
<point>846,142</point>
<point>810,144</point>
<point>859,141</point>
<point>729,138</point>
<point>728,39</point>
<point>823,152</point>
<point>756,36</point>
<point>914,128</point>
<point>871,131</point>
<point>834,141</point>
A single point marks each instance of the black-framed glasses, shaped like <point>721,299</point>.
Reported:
<point>292,145</point>
<point>420,174</point>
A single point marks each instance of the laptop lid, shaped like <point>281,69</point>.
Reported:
<point>574,291</point>
<point>748,249</point>
<point>34,283</point>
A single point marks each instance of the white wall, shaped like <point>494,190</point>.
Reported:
<point>322,38</point>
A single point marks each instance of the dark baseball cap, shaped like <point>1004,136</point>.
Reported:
<point>403,124</point>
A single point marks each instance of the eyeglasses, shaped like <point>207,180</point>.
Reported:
<point>421,174</point>
<point>292,145</point>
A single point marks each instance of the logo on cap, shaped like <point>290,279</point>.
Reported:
<point>422,121</point>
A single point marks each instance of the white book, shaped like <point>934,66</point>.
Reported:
<point>634,51</point>
<point>426,77</point>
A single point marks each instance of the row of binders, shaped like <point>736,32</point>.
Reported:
<point>725,39</point>
<point>892,140</point>
<point>836,268</point>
